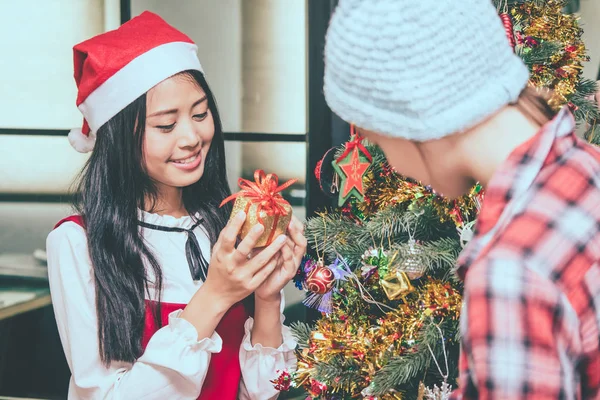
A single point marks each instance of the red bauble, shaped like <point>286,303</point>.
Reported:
<point>508,28</point>
<point>320,279</point>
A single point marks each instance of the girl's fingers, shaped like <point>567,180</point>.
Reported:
<point>288,259</point>
<point>260,276</point>
<point>230,233</point>
<point>245,248</point>
<point>296,232</point>
<point>266,255</point>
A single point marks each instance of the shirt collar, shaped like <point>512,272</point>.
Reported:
<point>508,192</point>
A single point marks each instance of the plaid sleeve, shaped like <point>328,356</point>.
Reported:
<point>511,344</point>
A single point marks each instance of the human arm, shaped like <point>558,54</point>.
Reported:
<point>516,331</point>
<point>174,363</point>
<point>268,345</point>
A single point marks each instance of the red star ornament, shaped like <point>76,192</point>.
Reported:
<point>351,170</point>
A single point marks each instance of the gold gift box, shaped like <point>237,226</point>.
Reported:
<point>275,225</point>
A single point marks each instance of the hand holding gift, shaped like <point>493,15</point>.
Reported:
<point>263,204</point>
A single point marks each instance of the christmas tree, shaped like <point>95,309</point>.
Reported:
<point>382,270</point>
<point>383,278</point>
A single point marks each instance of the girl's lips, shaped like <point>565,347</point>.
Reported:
<point>189,164</point>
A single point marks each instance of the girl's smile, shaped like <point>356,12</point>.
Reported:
<point>189,163</point>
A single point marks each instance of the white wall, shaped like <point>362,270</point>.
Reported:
<point>274,78</point>
<point>37,89</point>
<point>590,20</point>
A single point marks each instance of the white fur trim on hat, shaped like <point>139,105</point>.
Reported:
<point>420,70</point>
<point>136,78</point>
<point>80,142</point>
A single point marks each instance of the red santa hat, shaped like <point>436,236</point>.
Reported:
<point>115,68</point>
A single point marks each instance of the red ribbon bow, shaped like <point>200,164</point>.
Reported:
<point>355,141</point>
<point>264,191</point>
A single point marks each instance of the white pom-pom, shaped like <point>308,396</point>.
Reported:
<point>80,142</point>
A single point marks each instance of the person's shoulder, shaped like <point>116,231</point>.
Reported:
<point>66,232</point>
<point>585,158</point>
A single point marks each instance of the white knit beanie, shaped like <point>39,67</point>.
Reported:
<point>419,69</point>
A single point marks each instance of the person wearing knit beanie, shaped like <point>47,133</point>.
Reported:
<point>437,86</point>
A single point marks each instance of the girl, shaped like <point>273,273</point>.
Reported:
<point>141,311</point>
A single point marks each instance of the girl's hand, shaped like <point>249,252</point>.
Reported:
<point>232,274</point>
<point>290,257</point>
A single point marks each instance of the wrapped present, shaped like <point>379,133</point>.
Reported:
<point>263,204</point>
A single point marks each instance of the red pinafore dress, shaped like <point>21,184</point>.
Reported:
<point>224,372</point>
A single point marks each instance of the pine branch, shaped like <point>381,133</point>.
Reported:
<point>540,54</point>
<point>401,370</point>
<point>585,109</point>
<point>301,331</point>
<point>500,3</point>
<point>340,372</point>
<point>378,155</point>
<point>586,87</point>
<point>335,234</point>
<point>396,222</point>
<point>593,134</point>
<point>457,336</point>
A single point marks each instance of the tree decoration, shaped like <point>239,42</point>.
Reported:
<point>351,167</point>
<point>508,28</point>
<point>283,382</point>
<point>320,279</point>
<point>550,43</point>
<point>322,300</point>
<point>396,285</point>
<point>328,178</point>
<point>411,264</point>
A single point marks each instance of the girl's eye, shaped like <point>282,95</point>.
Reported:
<point>166,128</point>
<point>200,117</point>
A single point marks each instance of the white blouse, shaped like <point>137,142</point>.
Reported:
<point>175,363</point>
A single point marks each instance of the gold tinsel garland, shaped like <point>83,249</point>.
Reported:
<point>367,344</point>
<point>389,188</point>
<point>535,24</point>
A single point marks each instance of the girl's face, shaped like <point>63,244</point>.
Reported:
<point>179,131</point>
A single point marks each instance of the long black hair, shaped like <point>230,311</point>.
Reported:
<point>113,185</point>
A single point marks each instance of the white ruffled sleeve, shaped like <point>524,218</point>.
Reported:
<point>174,364</point>
<point>261,364</point>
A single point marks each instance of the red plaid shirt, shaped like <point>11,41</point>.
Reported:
<point>531,317</point>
